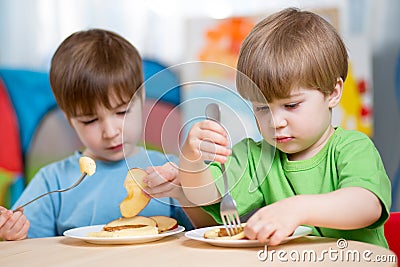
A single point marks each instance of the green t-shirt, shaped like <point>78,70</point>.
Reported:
<point>259,175</point>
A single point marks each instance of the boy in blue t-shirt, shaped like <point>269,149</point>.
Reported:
<point>96,77</point>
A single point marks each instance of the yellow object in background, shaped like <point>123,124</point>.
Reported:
<point>356,112</point>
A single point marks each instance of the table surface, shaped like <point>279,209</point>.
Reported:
<point>178,250</point>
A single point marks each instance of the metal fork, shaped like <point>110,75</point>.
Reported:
<point>228,209</point>
<point>51,192</point>
<point>88,167</point>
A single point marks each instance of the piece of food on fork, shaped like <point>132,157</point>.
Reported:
<point>87,165</point>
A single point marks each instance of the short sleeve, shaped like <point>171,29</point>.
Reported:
<point>359,165</point>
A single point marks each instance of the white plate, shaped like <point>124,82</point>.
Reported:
<point>82,232</point>
<point>198,234</point>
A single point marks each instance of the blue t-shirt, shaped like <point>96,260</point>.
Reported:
<point>95,201</point>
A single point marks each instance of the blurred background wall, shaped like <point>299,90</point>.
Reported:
<point>167,31</point>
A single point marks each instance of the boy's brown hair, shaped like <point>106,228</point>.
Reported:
<point>90,66</point>
<point>290,49</point>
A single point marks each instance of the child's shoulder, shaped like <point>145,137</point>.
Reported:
<point>350,141</point>
<point>348,136</point>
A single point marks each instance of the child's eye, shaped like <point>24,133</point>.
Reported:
<point>123,112</point>
<point>262,109</point>
<point>292,105</point>
<point>88,121</point>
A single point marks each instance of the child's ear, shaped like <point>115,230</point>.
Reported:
<point>336,95</point>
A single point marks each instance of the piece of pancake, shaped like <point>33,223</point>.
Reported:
<point>139,231</point>
<point>220,233</point>
<point>135,226</point>
<point>129,223</point>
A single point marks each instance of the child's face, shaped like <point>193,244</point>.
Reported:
<point>299,125</point>
<point>102,132</point>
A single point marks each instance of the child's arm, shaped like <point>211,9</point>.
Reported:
<point>206,140</point>
<point>346,208</point>
<point>162,181</point>
<point>13,225</point>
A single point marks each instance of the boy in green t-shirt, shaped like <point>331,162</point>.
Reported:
<point>328,178</point>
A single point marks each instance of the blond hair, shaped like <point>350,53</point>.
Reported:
<point>290,49</point>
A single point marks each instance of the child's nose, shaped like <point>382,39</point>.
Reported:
<point>279,121</point>
<point>110,130</point>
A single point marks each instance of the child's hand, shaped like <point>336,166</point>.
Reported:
<point>13,226</point>
<point>163,181</point>
<point>275,222</point>
<point>206,140</point>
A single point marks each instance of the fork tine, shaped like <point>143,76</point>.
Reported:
<point>237,223</point>
<point>228,225</point>
<point>231,223</point>
<point>224,221</point>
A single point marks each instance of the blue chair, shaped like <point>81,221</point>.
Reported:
<point>161,83</point>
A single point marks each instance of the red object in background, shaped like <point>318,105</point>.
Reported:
<point>10,151</point>
<point>362,86</point>
<point>366,111</point>
<point>162,126</point>
<point>392,232</point>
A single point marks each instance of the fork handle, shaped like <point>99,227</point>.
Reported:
<point>213,113</point>
<point>225,178</point>
<point>33,200</point>
<point>51,192</point>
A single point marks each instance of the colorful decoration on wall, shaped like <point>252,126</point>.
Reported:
<point>356,107</point>
<point>10,155</point>
<point>222,41</point>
